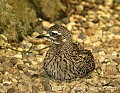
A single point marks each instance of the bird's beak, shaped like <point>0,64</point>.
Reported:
<point>42,36</point>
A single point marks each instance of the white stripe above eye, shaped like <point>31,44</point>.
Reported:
<point>56,32</point>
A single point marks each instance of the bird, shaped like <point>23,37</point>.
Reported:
<point>65,59</point>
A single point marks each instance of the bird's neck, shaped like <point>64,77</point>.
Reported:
<point>63,47</point>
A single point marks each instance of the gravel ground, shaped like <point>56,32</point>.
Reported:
<point>98,30</point>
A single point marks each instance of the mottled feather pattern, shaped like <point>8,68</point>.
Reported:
<point>67,60</point>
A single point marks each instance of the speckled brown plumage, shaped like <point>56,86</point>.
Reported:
<point>66,60</point>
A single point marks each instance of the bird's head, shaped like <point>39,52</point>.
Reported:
<point>58,34</point>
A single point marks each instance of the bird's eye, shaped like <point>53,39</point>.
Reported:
<point>54,34</point>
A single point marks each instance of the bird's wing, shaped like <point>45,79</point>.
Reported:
<point>83,60</point>
<point>88,59</point>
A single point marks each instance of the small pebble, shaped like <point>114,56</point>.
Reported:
<point>98,33</point>
<point>117,60</point>
<point>25,69</point>
<point>79,8</point>
<point>1,68</point>
<point>97,44</point>
<point>114,53</point>
<point>11,90</point>
<point>46,24</point>
<point>108,2</point>
<point>110,72</point>
<point>13,60</point>
<point>65,20</point>
<point>20,66</point>
<point>20,49</point>
<point>110,36</point>
<point>75,37</point>
<point>87,41</point>
<point>1,77</point>
<point>7,83</point>
<point>2,59</point>
<point>35,89</point>
<point>7,65</point>
<point>118,67</point>
<point>14,80</point>
<point>101,58</point>
<point>18,56</point>
<point>102,53</point>
<point>70,25</point>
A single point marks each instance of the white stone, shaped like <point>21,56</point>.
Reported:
<point>18,56</point>
<point>117,36</point>
<point>114,53</point>
<point>98,33</point>
<point>46,24</point>
<point>111,36</point>
<point>70,25</point>
<point>101,58</point>
<point>108,2</point>
<point>102,53</point>
<point>87,41</point>
<point>96,44</point>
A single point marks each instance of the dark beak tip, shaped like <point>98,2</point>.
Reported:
<point>40,36</point>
